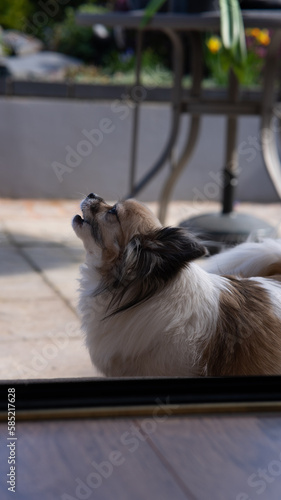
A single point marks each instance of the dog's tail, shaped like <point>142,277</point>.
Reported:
<point>248,259</point>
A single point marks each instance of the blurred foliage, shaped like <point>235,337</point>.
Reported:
<point>233,42</point>
<point>13,13</point>
<point>92,8</point>
<point>71,39</point>
<point>59,31</point>
<point>38,19</point>
<point>120,68</point>
<point>218,60</point>
<point>125,61</point>
<point>79,41</point>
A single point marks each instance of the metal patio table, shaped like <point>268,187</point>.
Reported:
<point>234,104</point>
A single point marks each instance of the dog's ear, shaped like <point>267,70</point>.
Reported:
<point>160,254</point>
<point>148,262</point>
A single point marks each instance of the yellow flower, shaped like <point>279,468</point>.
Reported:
<point>261,36</point>
<point>214,44</point>
<point>255,32</point>
<point>264,37</point>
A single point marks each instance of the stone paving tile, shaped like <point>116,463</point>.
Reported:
<point>18,279</point>
<point>77,253</point>
<point>39,232</point>
<point>36,209</point>
<point>3,237</point>
<point>51,257</point>
<point>12,263</point>
<point>60,267</point>
<point>34,359</point>
<point>37,319</point>
<point>16,287</point>
<point>12,208</point>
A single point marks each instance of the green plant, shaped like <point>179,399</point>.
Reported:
<point>14,13</point>
<point>92,8</point>
<point>71,39</point>
<point>78,41</point>
<point>232,32</point>
<point>250,71</point>
<point>123,62</point>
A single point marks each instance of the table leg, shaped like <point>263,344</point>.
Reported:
<point>135,128</point>
<point>176,113</point>
<point>268,136</point>
<point>197,73</point>
<point>229,227</point>
<point>231,166</point>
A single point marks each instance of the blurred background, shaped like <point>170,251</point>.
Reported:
<point>42,42</point>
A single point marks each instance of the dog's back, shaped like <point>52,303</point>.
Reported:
<point>249,259</point>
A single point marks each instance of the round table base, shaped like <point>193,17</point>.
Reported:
<point>219,230</point>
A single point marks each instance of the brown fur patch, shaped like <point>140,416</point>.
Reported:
<point>275,277</point>
<point>272,271</point>
<point>248,335</point>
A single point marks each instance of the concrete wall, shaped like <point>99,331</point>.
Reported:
<point>37,135</point>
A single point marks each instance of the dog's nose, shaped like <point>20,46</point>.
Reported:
<point>94,196</point>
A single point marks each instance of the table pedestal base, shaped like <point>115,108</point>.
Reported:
<point>218,229</point>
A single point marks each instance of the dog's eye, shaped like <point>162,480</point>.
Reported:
<point>113,210</point>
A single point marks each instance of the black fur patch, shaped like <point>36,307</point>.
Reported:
<point>96,233</point>
<point>149,262</point>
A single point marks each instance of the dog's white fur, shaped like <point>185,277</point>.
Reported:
<point>140,322</point>
<point>247,259</point>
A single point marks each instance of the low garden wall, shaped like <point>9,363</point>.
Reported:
<point>64,149</point>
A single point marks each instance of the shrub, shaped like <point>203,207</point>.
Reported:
<point>218,60</point>
<point>14,13</point>
<point>71,39</point>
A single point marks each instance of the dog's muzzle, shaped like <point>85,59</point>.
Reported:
<point>94,196</point>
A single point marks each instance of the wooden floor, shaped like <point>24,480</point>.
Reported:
<point>202,458</point>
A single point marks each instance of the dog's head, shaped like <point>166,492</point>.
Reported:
<point>130,248</point>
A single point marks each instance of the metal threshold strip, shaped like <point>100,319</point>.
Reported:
<point>103,398</point>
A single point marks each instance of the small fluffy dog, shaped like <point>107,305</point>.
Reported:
<point>148,310</point>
